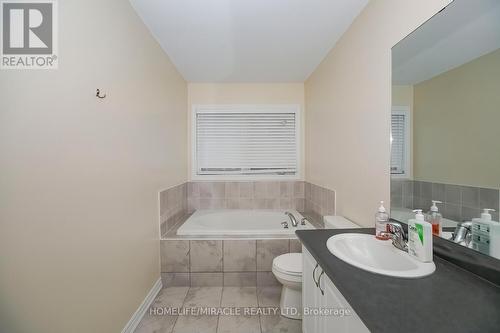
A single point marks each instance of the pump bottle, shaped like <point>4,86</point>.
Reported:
<point>486,234</point>
<point>434,218</point>
<point>381,220</point>
<point>420,237</point>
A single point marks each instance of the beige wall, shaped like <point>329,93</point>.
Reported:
<point>348,102</point>
<point>246,93</point>
<point>79,177</point>
<point>456,125</point>
<point>402,95</point>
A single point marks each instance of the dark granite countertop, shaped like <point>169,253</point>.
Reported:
<point>450,300</point>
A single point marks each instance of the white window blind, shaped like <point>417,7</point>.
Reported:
<point>243,141</point>
<point>398,143</point>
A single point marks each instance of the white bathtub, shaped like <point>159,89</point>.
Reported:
<point>240,222</point>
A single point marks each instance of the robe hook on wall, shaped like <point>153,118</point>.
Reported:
<point>98,94</point>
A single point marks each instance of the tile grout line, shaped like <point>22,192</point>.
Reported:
<point>189,264</point>
<point>182,306</point>
<point>256,262</point>
<point>223,263</point>
<point>220,305</point>
<point>259,306</point>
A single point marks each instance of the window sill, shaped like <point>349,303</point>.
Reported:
<point>244,177</point>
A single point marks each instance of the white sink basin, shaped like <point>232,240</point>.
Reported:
<point>377,256</point>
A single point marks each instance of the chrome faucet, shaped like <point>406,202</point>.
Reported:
<point>292,219</point>
<point>396,232</point>
<point>463,233</point>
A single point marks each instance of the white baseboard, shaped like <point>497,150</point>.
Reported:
<point>137,316</point>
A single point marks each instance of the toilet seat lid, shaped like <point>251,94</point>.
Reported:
<point>290,263</point>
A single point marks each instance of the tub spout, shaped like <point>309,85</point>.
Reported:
<point>292,219</point>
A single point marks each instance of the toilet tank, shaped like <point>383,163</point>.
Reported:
<point>338,222</point>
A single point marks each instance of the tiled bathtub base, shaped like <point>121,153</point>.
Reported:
<point>222,262</point>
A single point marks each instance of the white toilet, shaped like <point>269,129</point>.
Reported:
<point>288,270</point>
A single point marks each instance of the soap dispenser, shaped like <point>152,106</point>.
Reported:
<point>434,218</point>
<point>486,234</point>
<point>420,237</point>
<point>381,220</point>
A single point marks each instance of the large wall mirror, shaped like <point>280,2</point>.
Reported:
<point>445,133</point>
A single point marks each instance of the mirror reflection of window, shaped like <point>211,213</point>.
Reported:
<point>400,155</point>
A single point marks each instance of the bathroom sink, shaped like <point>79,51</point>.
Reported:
<point>377,256</point>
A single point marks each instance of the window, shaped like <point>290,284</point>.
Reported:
<point>400,142</point>
<point>245,141</point>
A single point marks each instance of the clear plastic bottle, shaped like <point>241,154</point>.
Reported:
<point>486,234</point>
<point>434,218</point>
<point>381,219</point>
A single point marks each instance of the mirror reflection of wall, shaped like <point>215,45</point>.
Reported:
<point>445,139</point>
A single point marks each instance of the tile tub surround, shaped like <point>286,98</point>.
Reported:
<point>299,195</point>
<point>219,297</point>
<point>246,195</point>
<point>460,203</point>
<point>177,202</point>
<point>202,263</point>
<point>173,206</point>
<point>319,201</point>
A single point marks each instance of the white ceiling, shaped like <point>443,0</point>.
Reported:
<point>247,40</point>
<point>464,31</point>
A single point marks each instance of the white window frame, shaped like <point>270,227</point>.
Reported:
<point>246,108</point>
<point>403,110</point>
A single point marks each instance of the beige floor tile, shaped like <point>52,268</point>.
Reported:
<point>171,297</point>
<point>239,324</point>
<point>196,324</point>
<point>203,297</point>
<point>239,297</point>
<point>278,323</point>
<point>269,296</point>
<point>156,324</point>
